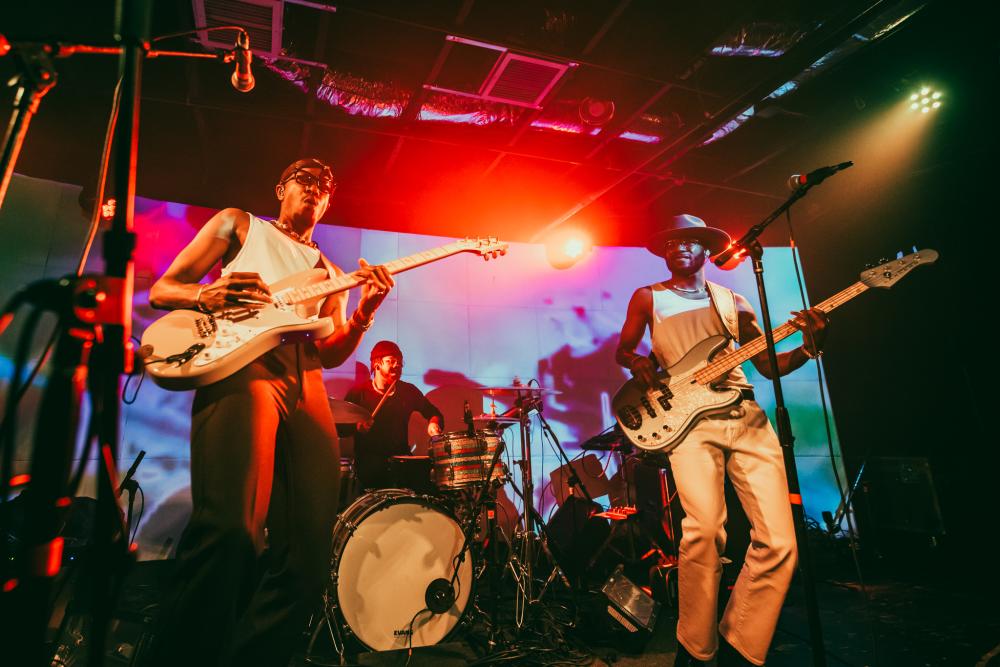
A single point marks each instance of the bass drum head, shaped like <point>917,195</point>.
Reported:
<point>390,556</point>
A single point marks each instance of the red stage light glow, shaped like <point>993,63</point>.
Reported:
<point>565,248</point>
<point>20,480</point>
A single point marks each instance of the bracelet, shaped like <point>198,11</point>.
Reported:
<point>809,354</point>
<point>198,305</point>
<point>355,322</point>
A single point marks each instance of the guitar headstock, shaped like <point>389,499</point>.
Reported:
<point>487,247</point>
<point>888,274</point>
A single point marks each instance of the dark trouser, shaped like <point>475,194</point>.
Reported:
<point>264,452</point>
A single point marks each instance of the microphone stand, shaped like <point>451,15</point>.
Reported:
<point>131,486</point>
<point>92,352</point>
<point>574,479</point>
<point>749,244</point>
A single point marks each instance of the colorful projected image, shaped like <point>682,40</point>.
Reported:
<point>462,324</point>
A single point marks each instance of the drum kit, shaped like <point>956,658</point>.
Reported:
<point>406,565</point>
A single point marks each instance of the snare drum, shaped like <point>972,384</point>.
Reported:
<point>459,460</point>
<point>388,547</point>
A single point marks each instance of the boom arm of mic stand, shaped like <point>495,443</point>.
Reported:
<point>745,243</point>
<point>574,479</point>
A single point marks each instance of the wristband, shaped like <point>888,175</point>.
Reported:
<point>809,354</point>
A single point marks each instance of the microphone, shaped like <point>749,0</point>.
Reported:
<point>467,418</point>
<point>439,596</point>
<point>817,176</point>
<point>131,471</point>
<point>242,78</point>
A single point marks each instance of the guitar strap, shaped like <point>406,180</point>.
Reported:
<point>724,303</point>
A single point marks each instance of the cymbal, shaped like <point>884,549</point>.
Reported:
<point>345,412</point>
<point>518,390</point>
<point>500,419</point>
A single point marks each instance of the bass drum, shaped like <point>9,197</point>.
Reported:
<point>388,547</point>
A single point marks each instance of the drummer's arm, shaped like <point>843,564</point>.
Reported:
<point>435,420</point>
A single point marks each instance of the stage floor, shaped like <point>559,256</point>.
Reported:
<point>909,621</point>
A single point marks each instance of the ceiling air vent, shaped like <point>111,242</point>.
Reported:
<point>262,19</point>
<point>522,80</point>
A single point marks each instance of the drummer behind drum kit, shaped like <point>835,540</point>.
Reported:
<point>405,566</point>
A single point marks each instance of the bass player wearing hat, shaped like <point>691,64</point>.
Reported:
<point>680,312</point>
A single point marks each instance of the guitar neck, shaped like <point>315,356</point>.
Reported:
<point>726,362</point>
<point>348,280</point>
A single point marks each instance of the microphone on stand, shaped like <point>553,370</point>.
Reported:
<point>816,176</point>
<point>242,78</point>
<point>127,480</point>
<point>467,418</point>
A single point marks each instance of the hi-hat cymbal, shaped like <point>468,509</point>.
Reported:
<point>345,412</point>
<point>518,390</point>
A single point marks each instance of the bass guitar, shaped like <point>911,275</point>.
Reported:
<point>657,419</point>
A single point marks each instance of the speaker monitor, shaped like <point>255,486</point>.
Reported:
<point>901,496</point>
<point>575,534</point>
<point>632,607</point>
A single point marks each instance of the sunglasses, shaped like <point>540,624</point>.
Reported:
<point>305,179</point>
<point>686,243</point>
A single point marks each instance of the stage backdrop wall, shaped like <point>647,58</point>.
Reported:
<point>462,323</point>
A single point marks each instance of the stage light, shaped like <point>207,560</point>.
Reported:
<point>573,247</point>
<point>566,248</point>
<point>926,99</point>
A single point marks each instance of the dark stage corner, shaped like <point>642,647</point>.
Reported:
<point>500,470</point>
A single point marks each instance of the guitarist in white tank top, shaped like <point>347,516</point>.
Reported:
<point>680,312</point>
<point>264,449</point>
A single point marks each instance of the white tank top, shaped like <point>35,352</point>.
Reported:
<point>680,323</point>
<point>271,253</point>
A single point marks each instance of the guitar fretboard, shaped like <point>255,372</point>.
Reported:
<point>349,280</point>
<point>726,362</point>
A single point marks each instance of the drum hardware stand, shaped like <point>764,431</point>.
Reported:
<point>557,570</point>
<point>527,404</point>
<point>475,509</point>
<point>333,632</point>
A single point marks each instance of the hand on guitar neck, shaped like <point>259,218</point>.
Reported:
<point>377,283</point>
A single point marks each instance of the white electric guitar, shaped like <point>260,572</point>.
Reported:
<point>657,419</point>
<point>188,349</point>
